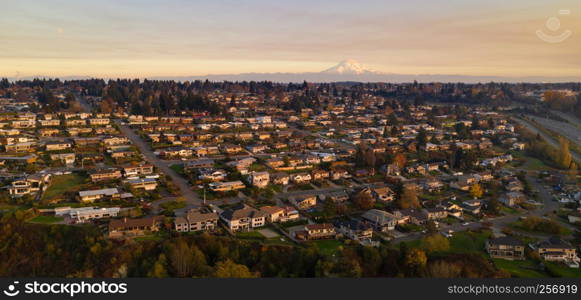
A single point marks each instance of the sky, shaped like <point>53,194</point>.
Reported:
<point>148,38</point>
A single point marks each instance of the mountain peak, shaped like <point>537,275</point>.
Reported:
<point>348,67</point>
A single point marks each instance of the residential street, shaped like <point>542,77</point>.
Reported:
<point>191,197</point>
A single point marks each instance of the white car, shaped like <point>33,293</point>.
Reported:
<point>465,223</point>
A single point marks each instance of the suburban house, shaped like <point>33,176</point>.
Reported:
<point>558,250</point>
<point>299,178</point>
<point>226,186</point>
<point>304,202</point>
<point>281,178</point>
<point>66,158</point>
<point>105,174</point>
<point>335,196</point>
<point>319,174</point>
<point>435,213</point>
<point>85,214</point>
<point>141,169</point>
<point>28,185</point>
<point>244,218</point>
<point>511,199</point>
<point>212,174</point>
<point>355,230</point>
<point>134,227</point>
<point>275,214</point>
<point>148,184</point>
<point>316,232</point>
<point>508,248</point>
<point>58,146</point>
<point>381,220</point>
<point>196,220</point>
<point>94,195</point>
<point>384,194</point>
<point>259,179</point>
<point>198,164</point>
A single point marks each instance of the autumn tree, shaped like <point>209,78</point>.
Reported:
<point>185,260</point>
<point>443,269</point>
<point>230,269</point>
<point>435,243</point>
<point>364,200</point>
<point>400,160</point>
<point>565,160</point>
<point>415,261</point>
<point>476,191</point>
<point>408,198</point>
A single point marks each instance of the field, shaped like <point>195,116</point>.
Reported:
<point>61,184</point>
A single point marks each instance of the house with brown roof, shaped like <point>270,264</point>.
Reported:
<point>195,220</point>
<point>316,232</point>
<point>134,227</point>
<point>243,218</point>
<point>105,174</point>
<point>304,202</point>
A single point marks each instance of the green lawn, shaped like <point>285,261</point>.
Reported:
<point>519,268</point>
<point>46,220</point>
<point>63,183</point>
<point>467,241</point>
<point>562,270</point>
<point>328,247</point>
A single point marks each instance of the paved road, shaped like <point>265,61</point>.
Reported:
<point>550,139</point>
<point>192,198</point>
<point>568,130</point>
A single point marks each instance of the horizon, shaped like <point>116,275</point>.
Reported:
<point>173,39</point>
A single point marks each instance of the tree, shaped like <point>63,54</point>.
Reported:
<point>443,269</point>
<point>435,243</point>
<point>400,160</point>
<point>422,137</point>
<point>409,198</point>
<point>364,200</point>
<point>415,261</point>
<point>230,269</point>
<point>565,159</point>
<point>494,206</point>
<point>185,260</point>
<point>476,191</point>
<point>158,270</point>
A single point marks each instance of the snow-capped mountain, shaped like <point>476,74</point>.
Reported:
<point>348,67</point>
